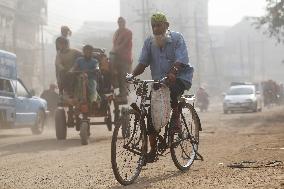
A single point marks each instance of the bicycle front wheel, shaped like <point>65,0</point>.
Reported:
<point>185,144</point>
<point>128,152</point>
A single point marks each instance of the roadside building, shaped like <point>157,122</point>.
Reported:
<point>20,33</point>
<point>244,53</point>
<point>30,17</point>
<point>7,20</point>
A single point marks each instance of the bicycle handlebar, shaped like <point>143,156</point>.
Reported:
<point>137,81</point>
<point>81,72</point>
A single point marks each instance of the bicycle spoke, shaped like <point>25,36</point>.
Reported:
<point>184,148</point>
<point>127,152</point>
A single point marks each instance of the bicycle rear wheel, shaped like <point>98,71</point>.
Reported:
<point>128,152</point>
<point>185,144</point>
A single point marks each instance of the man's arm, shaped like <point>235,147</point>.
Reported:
<point>181,52</point>
<point>177,66</point>
<point>139,69</point>
<point>43,95</point>
<point>75,67</point>
<point>181,59</point>
<point>56,44</point>
<point>174,71</point>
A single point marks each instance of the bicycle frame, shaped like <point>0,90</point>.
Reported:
<point>164,140</point>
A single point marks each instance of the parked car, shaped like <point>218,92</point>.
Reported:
<point>18,107</point>
<point>243,98</point>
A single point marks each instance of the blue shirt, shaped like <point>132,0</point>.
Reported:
<point>161,60</point>
<point>87,65</point>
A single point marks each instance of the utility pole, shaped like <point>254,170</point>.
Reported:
<point>214,62</point>
<point>250,59</point>
<point>14,35</point>
<point>143,20</point>
<point>198,67</point>
<point>242,60</point>
<point>147,19</point>
<point>144,14</point>
<point>262,60</point>
<point>43,56</point>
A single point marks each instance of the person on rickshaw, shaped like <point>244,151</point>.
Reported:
<point>166,54</point>
<point>65,60</point>
<point>65,32</point>
<point>87,66</point>
<point>121,59</point>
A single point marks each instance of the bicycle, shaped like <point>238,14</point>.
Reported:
<point>128,153</point>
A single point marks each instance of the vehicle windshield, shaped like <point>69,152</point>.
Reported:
<point>240,91</point>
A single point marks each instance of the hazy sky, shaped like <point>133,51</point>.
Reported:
<point>74,12</point>
<point>230,12</point>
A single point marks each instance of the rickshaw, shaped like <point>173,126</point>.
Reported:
<point>74,113</point>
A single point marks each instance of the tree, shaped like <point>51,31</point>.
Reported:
<point>273,20</point>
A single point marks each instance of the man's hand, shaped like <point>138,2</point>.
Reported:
<point>171,78</point>
<point>59,67</point>
<point>129,77</point>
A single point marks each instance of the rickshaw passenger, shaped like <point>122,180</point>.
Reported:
<point>65,60</point>
<point>89,65</point>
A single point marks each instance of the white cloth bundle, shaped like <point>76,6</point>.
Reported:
<point>160,107</point>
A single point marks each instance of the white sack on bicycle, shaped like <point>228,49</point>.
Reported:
<point>160,107</point>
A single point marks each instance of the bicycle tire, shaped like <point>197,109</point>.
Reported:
<point>190,134</point>
<point>137,137</point>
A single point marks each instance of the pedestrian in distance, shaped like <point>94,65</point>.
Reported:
<point>121,59</point>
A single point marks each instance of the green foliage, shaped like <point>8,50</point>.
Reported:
<point>273,21</point>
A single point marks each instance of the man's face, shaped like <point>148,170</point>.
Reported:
<point>88,53</point>
<point>62,46</point>
<point>121,23</point>
<point>159,28</point>
<point>65,32</point>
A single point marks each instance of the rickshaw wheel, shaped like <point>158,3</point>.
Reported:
<point>38,128</point>
<point>84,132</point>
<point>60,124</point>
<point>125,122</point>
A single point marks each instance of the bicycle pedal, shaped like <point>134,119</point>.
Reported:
<point>161,155</point>
<point>166,154</point>
<point>199,157</point>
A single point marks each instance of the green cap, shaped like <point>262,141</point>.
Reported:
<point>159,17</point>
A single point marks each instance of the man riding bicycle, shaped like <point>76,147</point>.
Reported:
<point>166,54</point>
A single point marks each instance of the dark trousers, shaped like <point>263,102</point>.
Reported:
<point>176,91</point>
<point>120,68</point>
<point>66,82</point>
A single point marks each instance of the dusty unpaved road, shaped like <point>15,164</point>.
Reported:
<point>28,161</point>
